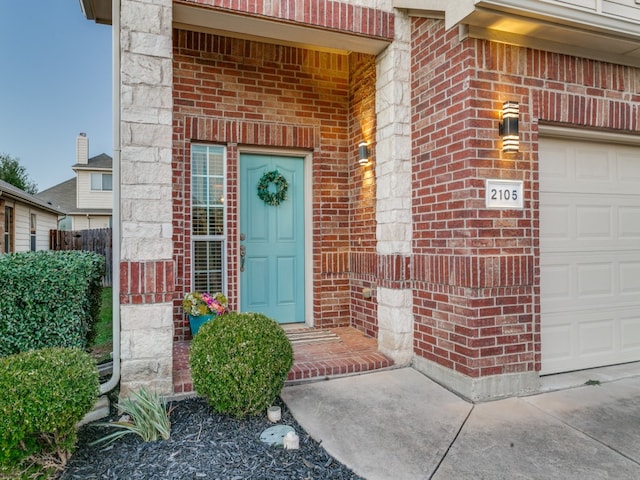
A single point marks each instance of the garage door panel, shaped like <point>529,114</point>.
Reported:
<point>629,222</point>
<point>575,280</point>
<point>589,168</point>
<point>630,278</point>
<point>557,345</point>
<point>594,165</point>
<point>589,254</point>
<point>594,222</point>
<point>578,222</point>
<point>594,280</point>
<point>629,167</point>
<point>630,331</point>
<point>557,286</point>
<point>557,170</point>
<point>596,337</point>
<point>589,338</point>
<point>555,222</point>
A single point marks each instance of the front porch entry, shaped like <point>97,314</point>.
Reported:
<point>318,354</point>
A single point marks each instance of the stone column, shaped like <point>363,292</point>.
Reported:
<point>146,262</point>
<point>393,207</point>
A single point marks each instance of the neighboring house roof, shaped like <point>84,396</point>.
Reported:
<point>10,191</point>
<point>64,195</point>
<point>99,162</point>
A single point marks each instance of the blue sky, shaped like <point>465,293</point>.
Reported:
<point>55,82</point>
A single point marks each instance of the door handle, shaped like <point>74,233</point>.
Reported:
<point>243,254</point>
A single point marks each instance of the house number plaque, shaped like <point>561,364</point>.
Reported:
<point>504,193</point>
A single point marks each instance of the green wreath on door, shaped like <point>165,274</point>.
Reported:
<point>281,186</point>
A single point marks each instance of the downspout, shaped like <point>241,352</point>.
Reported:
<point>115,55</point>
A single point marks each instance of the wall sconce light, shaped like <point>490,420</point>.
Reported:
<point>363,153</point>
<point>509,127</point>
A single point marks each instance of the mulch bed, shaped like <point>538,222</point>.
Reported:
<point>204,445</point>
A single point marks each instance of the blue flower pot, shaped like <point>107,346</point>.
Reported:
<point>196,322</point>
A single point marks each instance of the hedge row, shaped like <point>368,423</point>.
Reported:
<point>49,299</point>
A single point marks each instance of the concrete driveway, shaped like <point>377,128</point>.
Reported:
<point>398,424</point>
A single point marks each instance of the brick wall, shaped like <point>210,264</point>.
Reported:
<point>476,271</point>
<point>362,221</point>
<point>237,92</point>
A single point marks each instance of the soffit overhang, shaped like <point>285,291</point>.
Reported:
<point>97,10</point>
<point>610,34</point>
<point>233,24</point>
<point>195,17</point>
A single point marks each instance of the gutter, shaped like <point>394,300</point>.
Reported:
<point>115,55</point>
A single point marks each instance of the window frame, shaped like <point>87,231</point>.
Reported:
<point>102,179</point>
<point>8,242</point>
<point>33,231</point>
<point>221,239</point>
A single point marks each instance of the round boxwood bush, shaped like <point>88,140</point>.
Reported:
<point>239,362</point>
<point>45,393</point>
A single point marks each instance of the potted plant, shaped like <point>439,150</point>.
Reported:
<point>202,307</point>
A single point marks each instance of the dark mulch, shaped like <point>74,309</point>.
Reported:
<point>204,445</point>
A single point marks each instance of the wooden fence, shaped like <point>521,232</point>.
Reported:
<point>98,240</point>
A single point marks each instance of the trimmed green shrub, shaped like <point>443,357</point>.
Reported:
<point>49,299</point>
<point>45,393</point>
<point>239,362</point>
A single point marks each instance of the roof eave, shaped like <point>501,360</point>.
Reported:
<point>100,11</point>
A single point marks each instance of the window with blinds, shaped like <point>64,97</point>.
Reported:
<point>208,229</point>
<point>101,182</point>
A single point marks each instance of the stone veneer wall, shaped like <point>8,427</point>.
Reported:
<point>146,263</point>
<point>393,206</point>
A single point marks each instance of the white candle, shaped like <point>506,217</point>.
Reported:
<point>274,414</point>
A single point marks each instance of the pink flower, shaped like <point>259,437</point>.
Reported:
<point>202,303</point>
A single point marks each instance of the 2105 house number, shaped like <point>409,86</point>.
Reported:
<point>503,193</point>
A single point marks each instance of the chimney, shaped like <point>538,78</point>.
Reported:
<point>82,149</point>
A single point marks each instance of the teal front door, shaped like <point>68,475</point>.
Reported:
<point>272,239</point>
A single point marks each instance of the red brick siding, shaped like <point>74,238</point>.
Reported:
<point>327,14</point>
<point>236,92</point>
<point>476,271</point>
<point>362,242</point>
<point>147,282</point>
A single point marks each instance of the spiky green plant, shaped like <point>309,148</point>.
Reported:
<point>148,418</point>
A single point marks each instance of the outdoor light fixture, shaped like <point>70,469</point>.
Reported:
<point>509,127</point>
<point>363,153</point>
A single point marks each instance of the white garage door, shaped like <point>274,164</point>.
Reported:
<point>590,254</point>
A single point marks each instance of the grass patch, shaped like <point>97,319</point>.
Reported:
<point>101,349</point>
